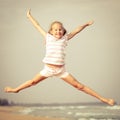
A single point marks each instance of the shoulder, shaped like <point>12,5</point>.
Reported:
<point>48,35</point>
<point>66,36</point>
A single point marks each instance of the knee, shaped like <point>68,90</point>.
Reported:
<point>79,86</point>
<point>35,81</point>
<point>32,82</point>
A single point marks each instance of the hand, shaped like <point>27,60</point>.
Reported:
<point>29,13</point>
<point>90,22</point>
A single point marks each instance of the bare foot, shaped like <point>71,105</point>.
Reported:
<point>111,102</point>
<point>108,101</point>
<point>10,90</point>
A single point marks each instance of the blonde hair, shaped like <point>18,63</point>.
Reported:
<point>56,22</point>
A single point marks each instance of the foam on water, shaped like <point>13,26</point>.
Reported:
<point>26,111</point>
<point>76,112</point>
<point>113,107</point>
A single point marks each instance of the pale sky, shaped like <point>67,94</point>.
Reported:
<point>92,56</point>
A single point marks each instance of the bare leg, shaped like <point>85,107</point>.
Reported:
<point>27,84</point>
<point>71,80</point>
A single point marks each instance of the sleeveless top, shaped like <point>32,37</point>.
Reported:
<point>55,50</point>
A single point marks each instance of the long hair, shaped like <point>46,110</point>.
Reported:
<point>56,22</point>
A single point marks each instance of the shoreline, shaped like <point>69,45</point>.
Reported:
<point>11,113</point>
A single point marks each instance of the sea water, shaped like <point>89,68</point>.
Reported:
<point>75,112</point>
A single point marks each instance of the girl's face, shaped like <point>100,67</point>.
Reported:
<point>57,30</point>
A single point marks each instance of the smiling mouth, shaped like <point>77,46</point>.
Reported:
<point>58,34</point>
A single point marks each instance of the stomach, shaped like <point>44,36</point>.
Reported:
<point>53,65</point>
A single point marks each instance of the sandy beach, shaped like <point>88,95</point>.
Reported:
<point>10,113</point>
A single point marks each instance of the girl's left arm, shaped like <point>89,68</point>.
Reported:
<point>79,29</point>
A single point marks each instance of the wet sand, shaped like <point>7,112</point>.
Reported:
<point>10,113</point>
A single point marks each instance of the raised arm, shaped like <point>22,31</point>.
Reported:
<point>36,24</point>
<point>79,29</point>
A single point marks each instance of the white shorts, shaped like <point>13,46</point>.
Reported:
<point>57,71</point>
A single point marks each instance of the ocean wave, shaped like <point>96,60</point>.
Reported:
<point>116,107</point>
<point>75,112</point>
<point>26,111</point>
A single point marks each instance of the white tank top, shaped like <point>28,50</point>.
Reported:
<point>55,50</point>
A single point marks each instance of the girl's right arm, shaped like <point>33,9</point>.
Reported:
<point>36,24</point>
